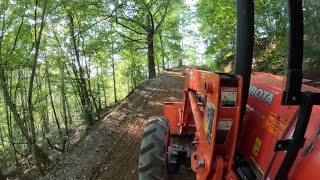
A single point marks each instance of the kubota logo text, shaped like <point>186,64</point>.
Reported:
<point>261,94</point>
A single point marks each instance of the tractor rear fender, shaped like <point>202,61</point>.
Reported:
<point>308,167</point>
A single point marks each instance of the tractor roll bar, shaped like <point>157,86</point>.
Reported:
<point>244,48</point>
<point>292,94</point>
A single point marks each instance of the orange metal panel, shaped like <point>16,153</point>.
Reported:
<point>172,111</point>
<point>266,121</point>
<point>308,167</point>
<point>212,120</point>
<point>209,122</point>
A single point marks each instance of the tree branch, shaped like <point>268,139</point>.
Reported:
<point>127,27</point>
<point>163,17</point>
<point>134,21</point>
<point>56,147</point>
<point>151,19</point>
<point>91,25</point>
<point>54,8</point>
<point>131,39</point>
<point>158,9</point>
<point>17,35</point>
<point>1,35</point>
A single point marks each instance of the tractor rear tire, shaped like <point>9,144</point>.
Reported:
<point>153,151</point>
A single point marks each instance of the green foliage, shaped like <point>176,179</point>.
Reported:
<point>218,25</point>
<point>95,52</point>
<point>218,28</point>
<point>82,59</point>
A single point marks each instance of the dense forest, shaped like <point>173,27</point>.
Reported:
<point>218,28</point>
<point>64,62</point>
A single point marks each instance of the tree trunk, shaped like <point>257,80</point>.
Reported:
<point>1,137</point>
<point>180,62</point>
<point>150,30</point>
<point>113,69</point>
<point>133,73</point>
<point>45,116</point>
<point>83,91</point>
<point>76,90</point>
<point>90,88</point>
<point>98,94</point>
<point>133,78</point>
<point>162,50</point>
<point>158,67</point>
<point>114,81</point>
<point>44,124</point>
<point>151,65</point>
<point>1,174</point>
<point>103,86</point>
<point>68,110</point>
<point>47,121</point>
<point>38,154</point>
<point>52,102</point>
<point>24,106</point>
<point>33,140</point>
<point>104,91</point>
<point>10,137</point>
<point>63,99</point>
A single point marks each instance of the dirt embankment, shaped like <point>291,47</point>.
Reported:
<point>111,148</point>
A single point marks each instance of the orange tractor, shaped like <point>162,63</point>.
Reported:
<point>244,125</point>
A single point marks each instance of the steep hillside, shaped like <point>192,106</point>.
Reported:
<point>111,148</point>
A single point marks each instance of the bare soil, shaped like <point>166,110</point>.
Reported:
<point>110,149</point>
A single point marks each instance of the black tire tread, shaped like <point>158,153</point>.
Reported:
<point>146,148</point>
<point>149,131</point>
<point>153,152</point>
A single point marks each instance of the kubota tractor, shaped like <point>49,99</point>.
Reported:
<point>246,125</point>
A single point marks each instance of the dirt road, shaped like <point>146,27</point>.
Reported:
<point>111,148</point>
